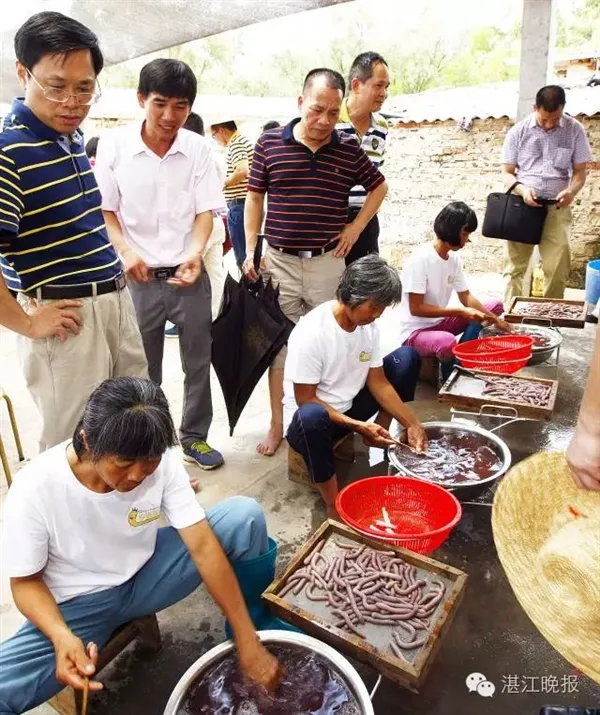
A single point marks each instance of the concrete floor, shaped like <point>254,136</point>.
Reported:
<point>491,634</point>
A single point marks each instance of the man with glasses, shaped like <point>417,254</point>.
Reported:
<point>74,317</point>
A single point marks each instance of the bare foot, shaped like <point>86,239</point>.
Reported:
<point>195,484</point>
<point>269,445</point>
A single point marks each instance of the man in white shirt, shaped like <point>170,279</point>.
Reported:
<point>84,552</point>
<point>160,187</point>
<point>429,277</point>
<point>335,378</point>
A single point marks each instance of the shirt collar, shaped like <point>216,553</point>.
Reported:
<point>24,115</point>
<point>139,146</point>
<point>288,133</point>
<point>533,121</point>
<point>344,116</point>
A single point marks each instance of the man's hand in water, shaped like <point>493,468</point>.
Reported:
<point>260,666</point>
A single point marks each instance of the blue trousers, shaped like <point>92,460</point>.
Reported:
<point>312,433</point>
<point>27,661</point>
<point>235,224</point>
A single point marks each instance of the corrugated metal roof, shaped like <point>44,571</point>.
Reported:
<point>481,102</point>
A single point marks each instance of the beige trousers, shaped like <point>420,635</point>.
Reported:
<point>62,376</point>
<point>303,283</point>
<point>554,252</point>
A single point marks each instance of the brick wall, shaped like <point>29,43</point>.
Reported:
<point>429,165</point>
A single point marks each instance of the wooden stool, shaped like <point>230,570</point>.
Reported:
<point>430,371</point>
<point>343,449</point>
<point>68,701</point>
<point>15,429</point>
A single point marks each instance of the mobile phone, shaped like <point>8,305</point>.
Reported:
<point>546,202</point>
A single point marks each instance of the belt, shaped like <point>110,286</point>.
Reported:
<point>234,202</point>
<point>163,274</point>
<point>312,253</point>
<point>82,290</point>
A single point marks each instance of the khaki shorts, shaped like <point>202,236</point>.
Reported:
<point>303,284</point>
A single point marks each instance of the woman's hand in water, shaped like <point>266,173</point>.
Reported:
<point>260,666</point>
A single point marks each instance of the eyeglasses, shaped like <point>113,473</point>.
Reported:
<point>60,96</point>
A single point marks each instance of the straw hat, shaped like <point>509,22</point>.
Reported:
<point>547,534</point>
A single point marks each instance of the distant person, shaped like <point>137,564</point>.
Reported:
<point>273,124</point>
<point>91,149</point>
<point>160,189</point>
<point>74,318</point>
<point>235,186</point>
<point>429,277</point>
<point>307,170</point>
<point>368,84</point>
<point>547,154</point>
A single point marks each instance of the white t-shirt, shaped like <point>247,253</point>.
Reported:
<point>321,353</point>
<point>83,541</point>
<point>428,274</point>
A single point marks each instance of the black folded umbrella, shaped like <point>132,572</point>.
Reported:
<point>247,335</point>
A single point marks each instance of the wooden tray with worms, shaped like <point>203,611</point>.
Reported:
<point>561,312</point>
<point>463,390</point>
<point>381,604</point>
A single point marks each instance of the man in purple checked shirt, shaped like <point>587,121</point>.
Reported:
<point>547,153</point>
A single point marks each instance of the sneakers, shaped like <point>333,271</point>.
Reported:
<point>171,332</point>
<point>202,454</point>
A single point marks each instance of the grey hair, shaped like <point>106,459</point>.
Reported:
<point>369,278</point>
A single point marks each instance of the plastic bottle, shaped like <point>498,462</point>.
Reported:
<point>537,284</point>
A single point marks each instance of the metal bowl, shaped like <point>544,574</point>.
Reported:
<point>538,354</point>
<point>336,661</point>
<point>464,490</point>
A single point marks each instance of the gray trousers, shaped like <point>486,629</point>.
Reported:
<point>190,310</point>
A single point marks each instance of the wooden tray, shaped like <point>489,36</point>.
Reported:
<point>462,390</point>
<point>410,675</point>
<point>513,315</point>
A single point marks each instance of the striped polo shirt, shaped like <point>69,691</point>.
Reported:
<point>51,225</point>
<point>308,191</point>
<point>373,142</point>
<point>239,149</point>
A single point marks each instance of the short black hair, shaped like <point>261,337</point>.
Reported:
<point>91,147</point>
<point>170,78</point>
<point>194,123</point>
<point>369,278</point>
<point>231,126</point>
<point>125,417</point>
<point>52,33</point>
<point>551,98</point>
<point>272,124</point>
<point>363,65</point>
<point>452,219</point>
<point>333,79</point>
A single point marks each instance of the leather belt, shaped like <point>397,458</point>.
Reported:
<point>82,290</point>
<point>312,253</point>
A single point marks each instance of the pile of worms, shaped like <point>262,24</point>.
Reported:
<point>549,310</point>
<point>540,338</point>
<point>362,586</point>
<point>535,394</point>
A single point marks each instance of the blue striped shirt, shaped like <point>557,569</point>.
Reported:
<point>51,224</point>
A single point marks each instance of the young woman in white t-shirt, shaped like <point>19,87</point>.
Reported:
<point>431,274</point>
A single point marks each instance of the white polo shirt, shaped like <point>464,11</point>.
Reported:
<point>157,199</point>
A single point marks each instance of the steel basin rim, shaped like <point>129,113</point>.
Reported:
<point>341,664</point>
<point>500,443</point>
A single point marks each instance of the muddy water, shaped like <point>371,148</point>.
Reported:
<point>453,457</point>
<point>309,687</point>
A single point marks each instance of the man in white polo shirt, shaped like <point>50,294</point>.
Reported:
<point>160,186</point>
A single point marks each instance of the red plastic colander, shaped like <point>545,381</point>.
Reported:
<point>407,512</point>
<point>506,353</point>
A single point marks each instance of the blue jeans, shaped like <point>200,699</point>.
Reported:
<point>312,433</point>
<point>237,235</point>
<point>27,660</point>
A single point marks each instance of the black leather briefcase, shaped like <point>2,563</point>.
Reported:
<point>508,217</point>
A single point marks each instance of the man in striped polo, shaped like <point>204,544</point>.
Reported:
<point>369,80</point>
<point>235,187</point>
<point>307,169</point>
<point>75,318</point>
